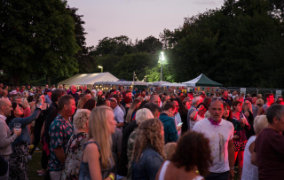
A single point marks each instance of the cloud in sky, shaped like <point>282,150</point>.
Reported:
<point>136,19</point>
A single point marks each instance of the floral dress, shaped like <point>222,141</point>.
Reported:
<point>240,131</point>
<point>74,152</point>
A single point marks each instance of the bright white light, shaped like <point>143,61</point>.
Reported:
<point>101,67</point>
<point>162,58</point>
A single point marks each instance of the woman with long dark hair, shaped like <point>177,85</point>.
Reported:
<point>148,154</point>
<point>186,104</point>
<point>191,159</point>
<point>227,112</point>
<point>240,124</point>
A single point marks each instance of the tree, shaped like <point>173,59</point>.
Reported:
<point>108,62</point>
<point>154,74</point>
<point>84,56</point>
<point>149,44</point>
<point>138,62</point>
<point>37,41</point>
<point>120,57</point>
<point>116,46</point>
<point>239,45</point>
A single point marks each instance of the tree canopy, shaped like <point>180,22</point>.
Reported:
<point>239,45</point>
<point>37,41</point>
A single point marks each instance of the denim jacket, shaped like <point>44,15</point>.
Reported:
<point>147,166</point>
<point>24,138</point>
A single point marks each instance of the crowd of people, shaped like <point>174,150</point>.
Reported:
<point>138,134</point>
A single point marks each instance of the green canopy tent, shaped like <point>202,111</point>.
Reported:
<point>202,80</point>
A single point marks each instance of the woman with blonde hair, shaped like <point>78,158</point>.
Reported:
<point>148,153</point>
<point>97,161</point>
<point>250,171</point>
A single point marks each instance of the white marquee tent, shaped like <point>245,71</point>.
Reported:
<point>89,79</point>
<point>122,83</point>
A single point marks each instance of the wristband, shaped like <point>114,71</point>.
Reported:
<point>111,176</point>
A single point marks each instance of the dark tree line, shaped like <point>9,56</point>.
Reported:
<point>121,57</point>
<point>240,44</point>
<point>37,41</point>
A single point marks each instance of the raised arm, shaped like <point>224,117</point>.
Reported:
<point>27,120</point>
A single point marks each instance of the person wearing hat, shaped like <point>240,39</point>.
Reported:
<point>118,112</point>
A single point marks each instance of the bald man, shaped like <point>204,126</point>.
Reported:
<point>220,134</point>
<point>6,136</point>
<point>73,92</point>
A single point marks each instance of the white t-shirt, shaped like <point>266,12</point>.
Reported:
<point>250,171</point>
<point>164,169</point>
<point>219,136</point>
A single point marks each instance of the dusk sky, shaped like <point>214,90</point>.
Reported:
<point>136,19</point>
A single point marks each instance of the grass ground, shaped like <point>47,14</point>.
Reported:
<point>34,165</point>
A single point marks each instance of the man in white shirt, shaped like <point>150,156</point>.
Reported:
<point>118,112</point>
<point>220,134</point>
